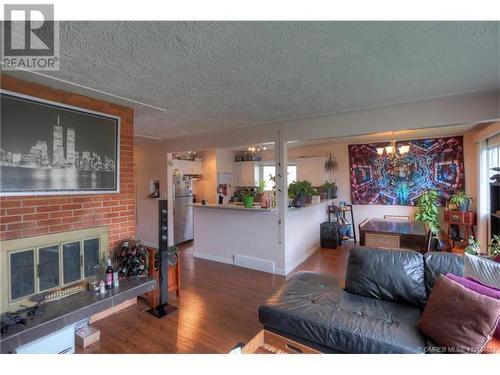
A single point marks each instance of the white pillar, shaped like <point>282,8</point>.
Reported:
<point>169,195</point>
<point>281,160</point>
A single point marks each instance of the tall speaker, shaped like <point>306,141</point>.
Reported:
<point>163,307</point>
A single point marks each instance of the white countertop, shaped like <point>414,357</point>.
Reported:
<point>232,207</point>
<point>254,208</point>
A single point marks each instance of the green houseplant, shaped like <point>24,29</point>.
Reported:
<point>428,210</point>
<point>328,190</point>
<point>299,192</point>
<point>462,200</point>
<point>473,246</point>
<point>495,247</point>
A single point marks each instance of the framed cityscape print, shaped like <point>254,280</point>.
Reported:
<point>51,148</point>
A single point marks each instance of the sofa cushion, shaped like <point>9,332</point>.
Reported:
<point>438,263</point>
<point>391,275</point>
<point>313,307</point>
<point>459,319</point>
<point>485,270</point>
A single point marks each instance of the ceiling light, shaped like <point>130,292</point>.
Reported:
<point>404,149</point>
<point>389,149</point>
<point>380,150</point>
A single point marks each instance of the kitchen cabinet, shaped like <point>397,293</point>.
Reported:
<point>246,174</point>
<point>188,167</point>
<point>312,170</point>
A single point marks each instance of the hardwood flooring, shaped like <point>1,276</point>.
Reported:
<point>217,308</point>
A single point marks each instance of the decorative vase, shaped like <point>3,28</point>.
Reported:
<point>264,200</point>
<point>248,201</point>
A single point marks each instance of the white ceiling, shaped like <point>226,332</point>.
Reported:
<point>205,76</point>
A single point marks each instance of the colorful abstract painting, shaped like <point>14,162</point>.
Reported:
<point>436,163</point>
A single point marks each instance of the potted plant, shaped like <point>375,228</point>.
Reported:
<point>263,195</point>
<point>328,190</point>
<point>462,200</point>
<point>248,200</point>
<point>473,246</point>
<point>495,247</point>
<point>428,212</point>
<point>299,192</point>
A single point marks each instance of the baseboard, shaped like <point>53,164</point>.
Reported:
<point>311,251</point>
<point>256,264</point>
<point>213,258</point>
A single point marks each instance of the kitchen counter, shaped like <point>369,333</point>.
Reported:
<point>233,207</point>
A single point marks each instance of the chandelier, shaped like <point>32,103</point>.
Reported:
<point>392,150</point>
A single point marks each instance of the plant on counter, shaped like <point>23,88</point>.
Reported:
<point>263,195</point>
<point>428,210</point>
<point>473,246</point>
<point>462,200</point>
<point>248,200</point>
<point>299,192</point>
<point>495,247</point>
<point>328,190</point>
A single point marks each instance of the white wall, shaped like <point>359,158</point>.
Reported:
<point>206,188</point>
<point>150,164</point>
<point>302,233</point>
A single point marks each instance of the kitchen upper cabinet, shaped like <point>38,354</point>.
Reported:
<point>188,167</point>
<point>246,174</point>
<point>312,170</point>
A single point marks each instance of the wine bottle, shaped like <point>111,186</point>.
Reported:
<point>109,275</point>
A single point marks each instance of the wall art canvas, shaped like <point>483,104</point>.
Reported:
<point>436,163</point>
<point>50,148</point>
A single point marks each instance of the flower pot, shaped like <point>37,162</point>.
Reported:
<point>331,193</point>
<point>300,201</point>
<point>248,202</point>
<point>464,207</point>
<point>264,200</point>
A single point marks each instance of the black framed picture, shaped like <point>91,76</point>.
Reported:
<point>52,148</point>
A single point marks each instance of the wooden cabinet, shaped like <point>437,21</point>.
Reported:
<point>188,167</point>
<point>312,170</point>
<point>246,174</point>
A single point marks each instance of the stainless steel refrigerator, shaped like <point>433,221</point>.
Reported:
<point>183,212</point>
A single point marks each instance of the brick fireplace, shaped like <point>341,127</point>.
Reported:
<point>26,216</point>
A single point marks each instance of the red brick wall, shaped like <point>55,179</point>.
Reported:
<point>36,215</point>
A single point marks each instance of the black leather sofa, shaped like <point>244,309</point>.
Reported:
<point>376,312</point>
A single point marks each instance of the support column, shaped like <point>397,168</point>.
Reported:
<point>281,160</point>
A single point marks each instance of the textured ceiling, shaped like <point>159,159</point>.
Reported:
<point>218,75</point>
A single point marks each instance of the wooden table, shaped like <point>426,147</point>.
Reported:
<point>394,234</point>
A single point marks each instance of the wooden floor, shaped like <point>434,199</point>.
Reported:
<point>217,308</point>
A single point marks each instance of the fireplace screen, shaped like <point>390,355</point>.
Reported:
<point>41,264</point>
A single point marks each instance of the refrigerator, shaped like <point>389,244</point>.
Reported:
<point>183,211</point>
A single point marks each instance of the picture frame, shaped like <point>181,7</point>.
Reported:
<point>50,148</point>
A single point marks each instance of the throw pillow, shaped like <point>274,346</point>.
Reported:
<point>458,319</point>
<point>480,288</point>
<point>482,269</point>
